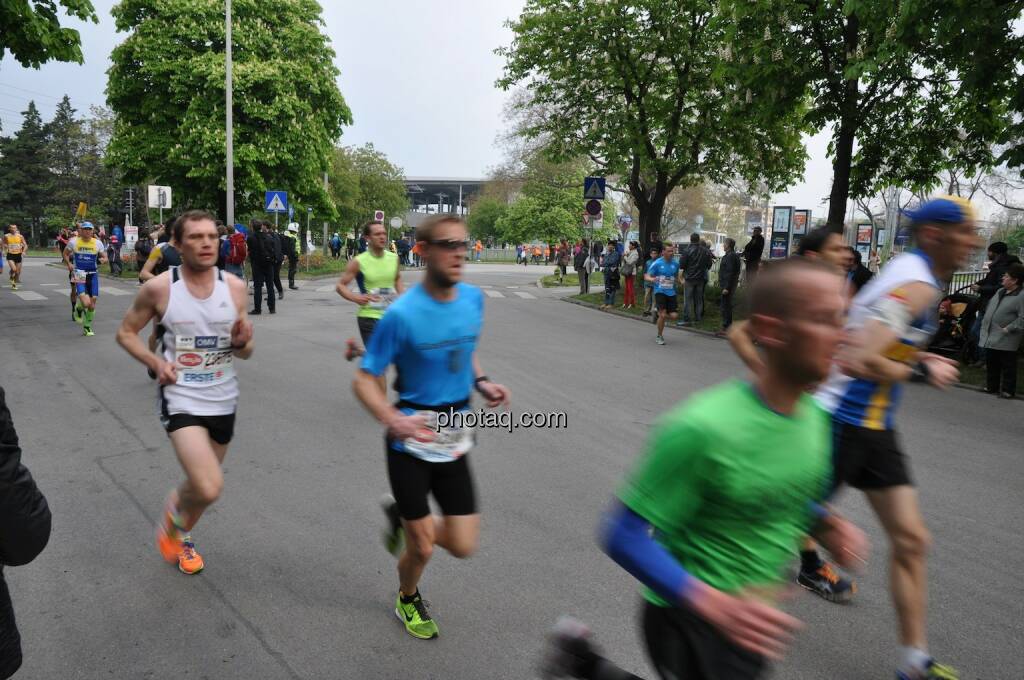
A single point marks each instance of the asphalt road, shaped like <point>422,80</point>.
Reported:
<point>297,584</point>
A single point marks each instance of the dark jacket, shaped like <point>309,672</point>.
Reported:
<point>993,280</point>
<point>695,261</point>
<point>729,272</point>
<point>860,276</point>
<point>289,246</point>
<point>264,249</point>
<point>612,261</point>
<point>580,259</point>
<point>24,531</point>
<point>753,251</point>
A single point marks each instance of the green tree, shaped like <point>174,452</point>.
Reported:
<point>167,90</point>
<point>65,142</point>
<point>884,77</point>
<point>483,217</point>
<point>33,34</point>
<point>363,181</point>
<point>25,174</point>
<point>643,90</point>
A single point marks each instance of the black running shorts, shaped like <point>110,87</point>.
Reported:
<point>413,480</point>
<point>221,428</point>
<point>366,326</point>
<point>682,645</point>
<point>867,459</point>
<point>14,257</point>
<point>666,302</point>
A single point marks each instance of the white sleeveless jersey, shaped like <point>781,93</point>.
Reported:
<point>197,339</point>
<point>867,403</point>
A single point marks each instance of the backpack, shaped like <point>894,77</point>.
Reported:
<point>236,250</point>
<point>269,245</point>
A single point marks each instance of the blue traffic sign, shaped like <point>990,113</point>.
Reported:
<point>275,201</point>
<point>593,188</point>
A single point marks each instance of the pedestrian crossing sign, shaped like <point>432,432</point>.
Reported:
<point>276,201</point>
<point>593,188</point>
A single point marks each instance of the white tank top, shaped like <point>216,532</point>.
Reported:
<point>197,339</point>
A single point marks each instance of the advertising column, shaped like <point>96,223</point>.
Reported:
<point>782,223</point>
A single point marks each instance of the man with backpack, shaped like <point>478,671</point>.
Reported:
<point>264,256</point>
<point>234,252</point>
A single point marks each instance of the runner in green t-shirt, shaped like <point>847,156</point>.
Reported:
<point>378,276</point>
<point>731,481</point>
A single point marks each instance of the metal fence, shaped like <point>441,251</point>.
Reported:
<point>964,279</point>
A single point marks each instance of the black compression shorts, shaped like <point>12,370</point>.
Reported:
<point>413,480</point>
<point>221,428</point>
<point>666,302</point>
<point>682,645</point>
<point>867,459</point>
<point>366,326</point>
<point>14,257</point>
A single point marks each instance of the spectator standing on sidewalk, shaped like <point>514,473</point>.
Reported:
<point>596,252</point>
<point>694,262</point>
<point>264,252</point>
<point>648,286</point>
<point>563,259</point>
<point>24,531</point>
<point>728,280</point>
<point>610,269</point>
<point>1001,331</point>
<point>629,265</point>
<point>859,274</point>
<point>290,246</point>
<point>235,251</point>
<point>579,263</point>
<point>752,253</point>
<point>114,251</point>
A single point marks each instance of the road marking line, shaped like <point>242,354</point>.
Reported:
<point>114,291</point>
<point>525,296</point>
<point>494,294</point>
<point>29,295</point>
<point>485,287</point>
<point>325,289</point>
<point>51,284</point>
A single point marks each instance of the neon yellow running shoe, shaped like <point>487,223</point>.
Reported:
<point>87,331</point>
<point>415,617</point>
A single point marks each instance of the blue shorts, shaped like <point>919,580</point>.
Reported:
<point>91,285</point>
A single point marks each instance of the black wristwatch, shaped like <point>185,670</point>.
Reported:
<point>476,383</point>
<point>920,373</point>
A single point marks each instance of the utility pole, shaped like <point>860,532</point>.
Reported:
<point>229,122</point>
<point>325,221</point>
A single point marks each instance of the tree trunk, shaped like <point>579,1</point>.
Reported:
<point>841,167</point>
<point>649,215</point>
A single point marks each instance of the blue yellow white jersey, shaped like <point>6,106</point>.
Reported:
<point>868,403</point>
<point>85,255</point>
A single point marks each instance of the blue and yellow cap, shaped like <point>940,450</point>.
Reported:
<point>944,209</point>
<point>86,225</point>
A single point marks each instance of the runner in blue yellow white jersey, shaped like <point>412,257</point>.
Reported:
<point>83,256</point>
<point>891,320</point>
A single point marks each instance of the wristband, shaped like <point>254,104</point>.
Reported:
<point>238,347</point>
<point>476,384</point>
<point>920,373</point>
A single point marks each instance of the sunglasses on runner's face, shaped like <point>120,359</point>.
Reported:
<point>448,244</point>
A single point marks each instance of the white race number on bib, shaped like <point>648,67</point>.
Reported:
<point>450,442</point>
<point>203,360</point>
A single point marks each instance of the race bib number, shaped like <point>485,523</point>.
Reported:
<point>666,282</point>
<point>203,360</point>
<point>79,276</point>
<point>385,296</point>
<point>449,442</point>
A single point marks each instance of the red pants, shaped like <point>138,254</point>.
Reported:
<point>630,296</point>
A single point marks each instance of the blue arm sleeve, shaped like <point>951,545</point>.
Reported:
<point>626,537</point>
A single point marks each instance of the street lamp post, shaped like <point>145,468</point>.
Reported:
<point>229,123</point>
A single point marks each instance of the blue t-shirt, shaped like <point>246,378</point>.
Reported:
<point>431,344</point>
<point>664,274</point>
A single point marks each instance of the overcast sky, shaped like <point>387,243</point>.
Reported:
<point>418,75</point>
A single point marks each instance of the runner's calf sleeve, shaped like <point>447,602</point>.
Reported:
<point>627,539</point>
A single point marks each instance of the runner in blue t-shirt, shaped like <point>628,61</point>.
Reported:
<point>663,274</point>
<point>430,334</point>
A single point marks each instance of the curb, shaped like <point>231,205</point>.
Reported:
<point>699,331</point>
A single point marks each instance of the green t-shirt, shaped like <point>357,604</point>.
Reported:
<point>727,483</point>
<point>377,277</point>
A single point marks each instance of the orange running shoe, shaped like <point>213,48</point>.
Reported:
<point>189,561</point>
<point>168,538</point>
<point>352,350</point>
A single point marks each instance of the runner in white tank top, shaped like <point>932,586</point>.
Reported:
<point>203,315</point>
